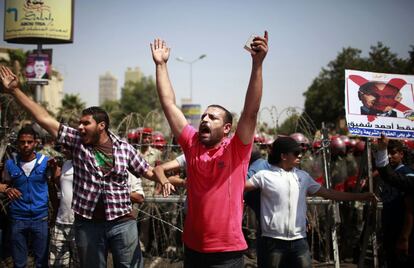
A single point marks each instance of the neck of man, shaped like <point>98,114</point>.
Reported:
<point>144,148</point>
<point>283,165</point>
<point>28,158</point>
<point>395,165</point>
<point>216,145</point>
<point>103,138</point>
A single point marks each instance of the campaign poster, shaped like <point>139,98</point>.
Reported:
<point>38,68</point>
<point>378,103</point>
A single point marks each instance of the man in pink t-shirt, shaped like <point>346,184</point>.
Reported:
<point>216,165</point>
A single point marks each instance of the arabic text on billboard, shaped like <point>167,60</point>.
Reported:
<point>31,21</point>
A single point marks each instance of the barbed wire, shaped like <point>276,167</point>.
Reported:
<point>161,220</point>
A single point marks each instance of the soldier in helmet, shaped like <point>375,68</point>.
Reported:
<point>153,157</point>
<point>159,141</point>
<point>306,162</point>
<point>338,163</point>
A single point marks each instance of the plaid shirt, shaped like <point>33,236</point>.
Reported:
<point>89,182</point>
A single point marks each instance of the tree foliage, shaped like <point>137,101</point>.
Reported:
<point>10,110</point>
<point>113,108</point>
<point>324,99</point>
<point>72,106</point>
<point>140,97</point>
<point>289,126</point>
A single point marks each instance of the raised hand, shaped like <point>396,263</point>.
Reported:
<point>8,79</point>
<point>259,48</point>
<point>382,142</point>
<point>160,51</point>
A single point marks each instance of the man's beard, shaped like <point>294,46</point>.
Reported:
<point>95,137</point>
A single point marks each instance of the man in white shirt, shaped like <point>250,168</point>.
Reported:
<point>283,205</point>
<point>62,248</point>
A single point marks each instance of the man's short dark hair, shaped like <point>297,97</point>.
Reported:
<point>98,114</point>
<point>282,145</point>
<point>274,157</point>
<point>27,130</point>
<point>228,117</point>
<point>255,154</point>
<point>396,146</point>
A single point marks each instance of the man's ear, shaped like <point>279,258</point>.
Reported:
<point>102,125</point>
<point>227,128</point>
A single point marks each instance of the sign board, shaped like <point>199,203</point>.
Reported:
<point>377,103</point>
<point>38,21</point>
<point>192,113</point>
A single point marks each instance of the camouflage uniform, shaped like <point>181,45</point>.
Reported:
<point>153,157</point>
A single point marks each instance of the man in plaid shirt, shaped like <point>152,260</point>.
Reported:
<point>101,195</point>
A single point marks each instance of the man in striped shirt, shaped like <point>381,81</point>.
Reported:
<point>101,195</point>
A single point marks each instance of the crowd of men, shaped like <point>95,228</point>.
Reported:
<point>98,182</point>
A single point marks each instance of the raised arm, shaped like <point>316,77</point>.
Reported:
<point>248,118</point>
<point>41,116</point>
<point>160,55</point>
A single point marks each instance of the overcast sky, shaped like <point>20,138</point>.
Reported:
<point>303,37</point>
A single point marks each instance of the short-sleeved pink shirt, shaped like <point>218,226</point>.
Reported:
<point>215,183</point>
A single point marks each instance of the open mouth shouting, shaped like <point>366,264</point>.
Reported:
<point>204,130</point>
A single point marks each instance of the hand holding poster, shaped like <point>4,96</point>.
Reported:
<point>378,103</point>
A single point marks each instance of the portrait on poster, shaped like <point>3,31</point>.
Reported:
<point>378,103</point>
<point>38,68</point>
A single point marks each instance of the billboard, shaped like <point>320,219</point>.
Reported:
<point>192,113</point>
<point>378,103</point>
<point>38,21</point>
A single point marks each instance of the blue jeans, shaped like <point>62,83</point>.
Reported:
<point>20,232</point>
<point>233,259</point>
<point>283,253</point>
<point>94,239</point>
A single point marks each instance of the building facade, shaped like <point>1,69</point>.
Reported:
<point>132,75</point>
<point>52,93</point>
<point>108,88</point>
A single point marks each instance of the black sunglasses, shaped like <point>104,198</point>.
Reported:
<point>296,153</point>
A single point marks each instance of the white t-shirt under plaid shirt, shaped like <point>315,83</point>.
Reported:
<point>89,182</point>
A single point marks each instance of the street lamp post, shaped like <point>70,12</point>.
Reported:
<point>190,63</point>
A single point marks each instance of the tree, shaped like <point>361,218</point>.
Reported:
<point>410,66</point>
<point>289,126</point>
<point>382,60</point>
<point>10,110</point>
<point>325,100</point>
<point>113,108</point>
<point>140,97</point>
<point>72,106</point>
